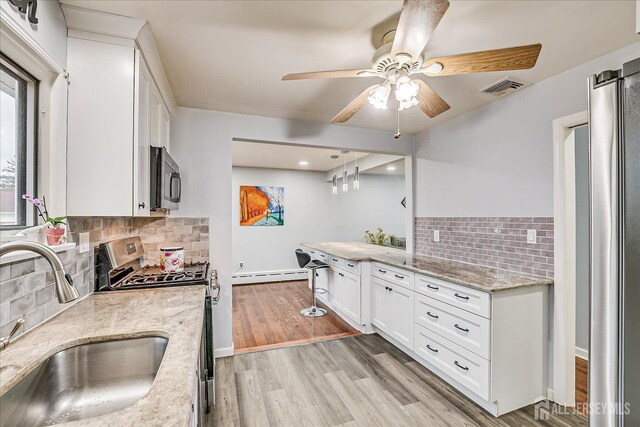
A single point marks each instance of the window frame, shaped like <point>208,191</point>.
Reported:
<point>26,217</point>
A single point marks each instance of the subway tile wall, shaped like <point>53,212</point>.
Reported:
<point>499,242</point>
<point>26,287</point>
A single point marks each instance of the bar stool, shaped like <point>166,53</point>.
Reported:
<point>305,261</point>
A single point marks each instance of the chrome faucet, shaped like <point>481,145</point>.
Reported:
<point>65,291</point>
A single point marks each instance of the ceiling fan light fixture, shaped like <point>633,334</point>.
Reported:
<point>379,96</point>
<point>406,89</point>
<point>403,105</point>
<point>435,68</point>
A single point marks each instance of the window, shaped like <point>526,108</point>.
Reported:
<point>18,130</point>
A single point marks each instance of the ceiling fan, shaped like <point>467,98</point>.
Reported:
<point>401,56</point>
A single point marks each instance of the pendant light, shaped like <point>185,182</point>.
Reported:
<point>356,175</point>
<point>345,177</point>
<point>334,180</point>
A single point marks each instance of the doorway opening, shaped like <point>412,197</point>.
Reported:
<point>571,290</point>
<point>284,195</point>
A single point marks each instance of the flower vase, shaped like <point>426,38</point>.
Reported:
<point>55,236</point>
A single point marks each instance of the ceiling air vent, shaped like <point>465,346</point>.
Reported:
<point>502,87</point>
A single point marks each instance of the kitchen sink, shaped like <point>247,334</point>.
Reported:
<point>84,381</point>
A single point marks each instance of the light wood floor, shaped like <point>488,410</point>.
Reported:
<point>267,315</point>
<point>356,381</point>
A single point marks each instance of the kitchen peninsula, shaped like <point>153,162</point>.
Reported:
<point>483,330</point>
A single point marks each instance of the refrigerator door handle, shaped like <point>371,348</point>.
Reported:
<point>604,276</point>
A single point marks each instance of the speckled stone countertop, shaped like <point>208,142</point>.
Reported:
<point>475,276</point>
<point>175,313</point>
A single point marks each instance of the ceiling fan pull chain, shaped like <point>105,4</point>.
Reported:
<point>398,135</point>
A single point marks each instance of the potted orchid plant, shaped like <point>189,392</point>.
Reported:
<point>54,229</point>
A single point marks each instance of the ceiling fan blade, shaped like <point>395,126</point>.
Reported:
<point>331,74</point>
<point>429,101</point>
<point>510,58</point>
<point>353,107</point>
<point>418,20</point>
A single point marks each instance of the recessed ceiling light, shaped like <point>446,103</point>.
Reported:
<point>303,163</point>
<point>391,168</point>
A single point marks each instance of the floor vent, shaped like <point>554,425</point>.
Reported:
<point>502,87</point>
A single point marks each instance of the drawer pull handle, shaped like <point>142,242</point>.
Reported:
<point>433,315</point>
<point>334,259</point>
<point>460,366</point>
<point>382,271</point>
<point>435,288</point>
<point>432,349</point>
<point>340,274</point>
<point>399,277</point>
<point>461,296</point>
<point>462,329</point>
<point>351,265</point>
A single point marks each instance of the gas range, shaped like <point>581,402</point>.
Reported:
<point>119,267</point>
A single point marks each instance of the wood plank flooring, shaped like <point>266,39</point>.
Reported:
<point>356,381</point>
<point>267,315</point>
<point>582,383</point>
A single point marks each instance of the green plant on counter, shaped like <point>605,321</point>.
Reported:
<point>377,238</point>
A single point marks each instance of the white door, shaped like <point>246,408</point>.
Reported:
<point>351,291</point>
<point>402,321</point>
<point>337,289</point>
<point>380,304</point>
<point>141,197</point>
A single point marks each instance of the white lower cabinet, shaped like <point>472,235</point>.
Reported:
<point>392,310</point>
<point>342,284</point>
<point>490,346</point>
<point>467,368</point>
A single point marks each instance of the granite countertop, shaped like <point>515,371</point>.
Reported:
<point>475,276</point>
<point>175,313</point>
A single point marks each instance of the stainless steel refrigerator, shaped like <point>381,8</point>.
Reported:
<point>614,179</point>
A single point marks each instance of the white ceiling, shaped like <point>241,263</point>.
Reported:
<point>277,156</point>
<point>392,168</point>
<point>230,55</point>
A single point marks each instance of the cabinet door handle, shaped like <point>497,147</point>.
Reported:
<point>351,265</point>
<point>460,366</point>
<point>141,205</point>
<point>391,289</point>
<point>399,277</point>
<point>462,329</point>
<point>340,274</point>
<point>382,271</point>
<point>432,349</point>
<point>461,296</point>
<point>435,288</point>
<point>433,315</point>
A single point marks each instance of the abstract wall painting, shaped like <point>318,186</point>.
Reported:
<point>261,205</point>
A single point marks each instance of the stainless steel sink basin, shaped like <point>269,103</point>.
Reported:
<point>83,382</point>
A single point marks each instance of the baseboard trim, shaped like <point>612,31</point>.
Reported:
<point>249,277</point>
<point>582,353</point>
<point>223,352</point>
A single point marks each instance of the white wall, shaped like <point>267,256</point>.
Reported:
<point>497,160</point>
<point>51,30</point>
<point>201,143</point>
<point>312,213</point>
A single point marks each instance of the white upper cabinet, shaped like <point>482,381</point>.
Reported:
<point>117,109</point>
<point>100,133</point>
<point>142,140</point>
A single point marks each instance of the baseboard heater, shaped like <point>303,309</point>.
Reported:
<point>242,278</point>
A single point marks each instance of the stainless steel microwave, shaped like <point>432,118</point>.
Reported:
<point>166,184</point>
